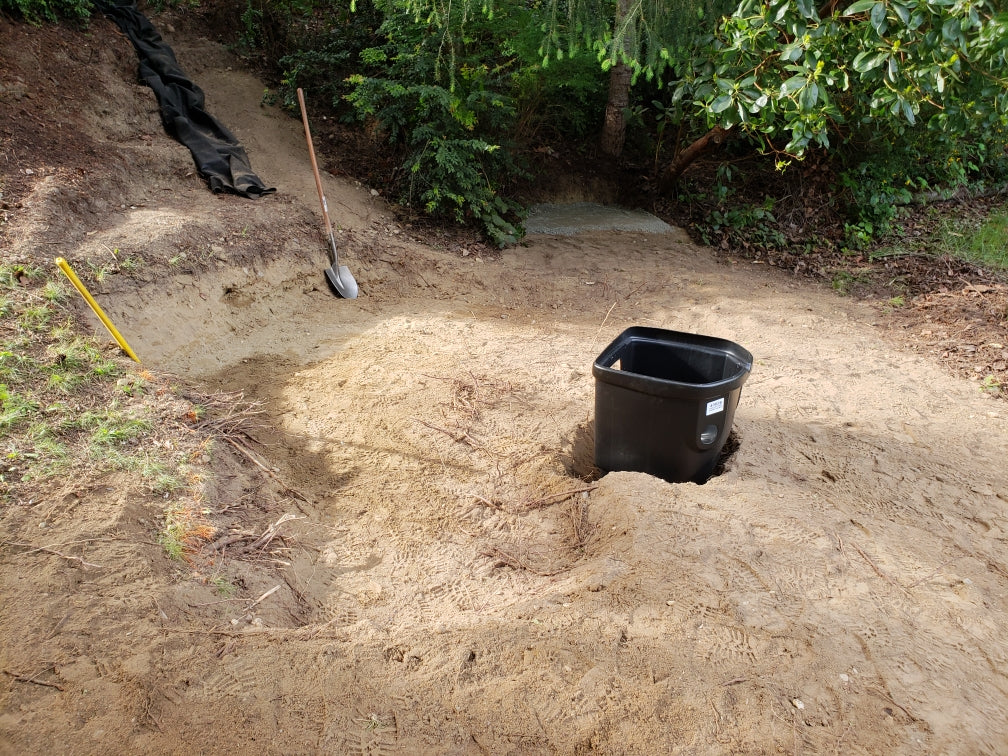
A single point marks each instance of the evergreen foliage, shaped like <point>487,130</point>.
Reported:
<point>447,98</point>
<point>40,11</point>
<point>903,97</point>
<point>648,35</point>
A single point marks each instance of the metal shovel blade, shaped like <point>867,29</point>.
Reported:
<point>339,276</point>
<point>342,281</point>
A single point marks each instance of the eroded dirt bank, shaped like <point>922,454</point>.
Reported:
<point>452,579</point>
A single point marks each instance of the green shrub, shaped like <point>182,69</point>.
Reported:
<point>326,50</point>
<point>271,27</point>
<point>450,171</point>
<point>745,225</point>
<point>39,11</point>
<point>561,102</point>
<point>887,174</point>
<point>445,103</point>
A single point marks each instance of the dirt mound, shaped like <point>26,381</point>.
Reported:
<point>416,555</point>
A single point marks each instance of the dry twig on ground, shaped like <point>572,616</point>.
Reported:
<point>519,558</point>
<point>878,571</point>
<point>32,679</point>
<point>33,549</point>
<point>256,541</point>
<point>557,497</point>
<point>583,530</point>
<point>228,413</point>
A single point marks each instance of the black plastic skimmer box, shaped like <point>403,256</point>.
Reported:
<point>665,402</point>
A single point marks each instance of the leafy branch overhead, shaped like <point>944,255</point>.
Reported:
<point>925,77</point>
<point>795,79</point>
<point>465,96</point>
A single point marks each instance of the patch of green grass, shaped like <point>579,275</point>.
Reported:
<point>988,244</point>
<point>100,272</point>
<point>983,241</point>
<point>104,369</point>
<point>162,480</point>
<point>36,317</point>
<point>70,362</point>
<point>70,407</point>
<point>73,352</point>
<point>11,364</point>
<point>844,281</point>
<point>170,536</point>
<point>49,457</point>
<point>54,291</point>
<point>224,586</point>
<point>49,374</point>
<point>37,452</point>
<point>991,385</point>
<point>111,427</point>
<point>16,275</point>
<point>163,476</point>
<point>131,385</point>
<point>130,264</point>
<point>15,408</point>
<point>65,382</point>
<point>185,528</point>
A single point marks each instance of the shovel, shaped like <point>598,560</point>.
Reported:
<point>339,276</point>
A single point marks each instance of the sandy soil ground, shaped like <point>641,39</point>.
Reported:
<point>454,578</point>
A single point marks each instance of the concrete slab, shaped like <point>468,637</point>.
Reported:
<point>581,217</point>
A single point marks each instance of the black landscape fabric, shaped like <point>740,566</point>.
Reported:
<point>219,157</point>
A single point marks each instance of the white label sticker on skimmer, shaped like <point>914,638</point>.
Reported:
<point>715,406</point>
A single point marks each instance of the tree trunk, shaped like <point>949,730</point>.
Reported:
<point>705,145</point>
<point>614,127</point>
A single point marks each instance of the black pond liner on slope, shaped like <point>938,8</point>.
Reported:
<point>219,157</point>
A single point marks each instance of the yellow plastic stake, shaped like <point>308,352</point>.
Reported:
<point>65,267</point>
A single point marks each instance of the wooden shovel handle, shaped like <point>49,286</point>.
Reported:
<point>314,163</point>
